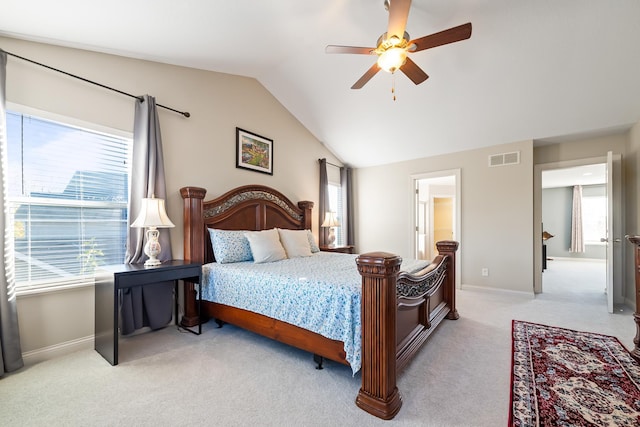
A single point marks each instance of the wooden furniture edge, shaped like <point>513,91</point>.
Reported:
<point>281,331</point>
<point>192,247</point>
<point>635,240</point>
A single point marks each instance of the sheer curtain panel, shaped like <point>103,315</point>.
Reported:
<point>577,235</point>
<point>10,350</point>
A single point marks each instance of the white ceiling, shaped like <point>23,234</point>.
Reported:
<point>531,70</point>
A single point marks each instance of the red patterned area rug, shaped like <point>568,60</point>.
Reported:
<point>561,377</point>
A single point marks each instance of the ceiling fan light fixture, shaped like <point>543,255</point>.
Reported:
<point>392,59</point>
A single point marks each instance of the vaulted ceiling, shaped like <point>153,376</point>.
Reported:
<point>531,69</point>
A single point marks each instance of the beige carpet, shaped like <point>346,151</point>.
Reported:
<point>229,377</point>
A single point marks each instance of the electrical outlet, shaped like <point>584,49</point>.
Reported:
<point>485,272</point>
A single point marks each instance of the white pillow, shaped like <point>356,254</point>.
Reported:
<point>295,242</point>
<point>265,245</point>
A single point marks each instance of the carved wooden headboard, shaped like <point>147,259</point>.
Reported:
<point>251,207</point>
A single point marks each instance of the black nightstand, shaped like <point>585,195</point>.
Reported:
<point>110,279</point>
<point>347,249</point>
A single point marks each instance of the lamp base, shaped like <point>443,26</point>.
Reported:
<point>152,262</point>
<point>152,248</point>
<point>331,238</point>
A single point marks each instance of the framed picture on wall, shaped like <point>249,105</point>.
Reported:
<point>254,152</point>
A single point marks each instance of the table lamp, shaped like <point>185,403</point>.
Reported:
<point>152,216</point>
<point>330,221</point>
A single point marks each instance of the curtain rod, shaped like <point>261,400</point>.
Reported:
<point>184,113</point>
<point>329,163</point>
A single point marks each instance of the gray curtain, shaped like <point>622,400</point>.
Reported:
<point>323,201</point>
<point>346,183</point>
<point>148,305</point>
<point>10,350</point>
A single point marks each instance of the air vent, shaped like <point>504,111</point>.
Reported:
<point>504,159</point>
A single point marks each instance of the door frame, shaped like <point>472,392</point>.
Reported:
<point>414,178</point>
<point>618,277</point>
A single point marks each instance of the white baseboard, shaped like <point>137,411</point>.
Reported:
<point>56,350</point>
<point>504,291</point>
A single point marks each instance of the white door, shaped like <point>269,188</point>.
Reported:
<point>614,231</point>
<point>610,238</point>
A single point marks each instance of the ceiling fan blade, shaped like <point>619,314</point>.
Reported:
<point>398,15</point>
<point>452,35</point>
<point>366,76</point>
<point>415,73</point>
<point>350,49</point>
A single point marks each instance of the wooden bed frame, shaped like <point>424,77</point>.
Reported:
<point>399,310</point>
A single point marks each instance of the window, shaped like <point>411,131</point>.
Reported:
<point>335,201</point>
<point>68,194</point>
<point>594,218</point>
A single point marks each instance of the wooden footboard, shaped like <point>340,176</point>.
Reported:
<point>399,310</point>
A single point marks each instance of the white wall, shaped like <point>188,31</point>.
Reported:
<point>497,213</point>
<point>198,151</point>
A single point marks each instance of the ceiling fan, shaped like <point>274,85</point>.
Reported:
<point>394,45</point>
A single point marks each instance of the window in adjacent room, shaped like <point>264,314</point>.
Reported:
<point>68,194</point>
<point>594,214</point>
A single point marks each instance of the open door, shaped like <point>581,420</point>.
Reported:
<point>614,250</point>
<point>437,213</point>
<point>613,238</point>
<point>610,238</point>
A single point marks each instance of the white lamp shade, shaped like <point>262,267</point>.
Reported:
<point>330,220</point>
<point>152,214</point>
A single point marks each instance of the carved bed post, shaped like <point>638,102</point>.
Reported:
<point>636,316</point>
<point>306,207</point>
<point>193,246</point>
<point>449,248</point>
<point>379,394</point>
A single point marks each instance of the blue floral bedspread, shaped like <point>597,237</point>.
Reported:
<point>320,293</point>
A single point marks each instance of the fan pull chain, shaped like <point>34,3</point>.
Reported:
<point>393,85</point>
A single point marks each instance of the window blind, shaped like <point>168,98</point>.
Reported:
<point>68,194</point>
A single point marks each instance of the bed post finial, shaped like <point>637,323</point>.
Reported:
<point>379,394</point>
<point>448,248</point>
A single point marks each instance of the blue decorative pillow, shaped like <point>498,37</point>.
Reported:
<point>230,246</point>
<point>312,242</point>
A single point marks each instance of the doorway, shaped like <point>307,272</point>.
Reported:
<point>611,241</point>
<point>574,219</point>
<point>436,213</point>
